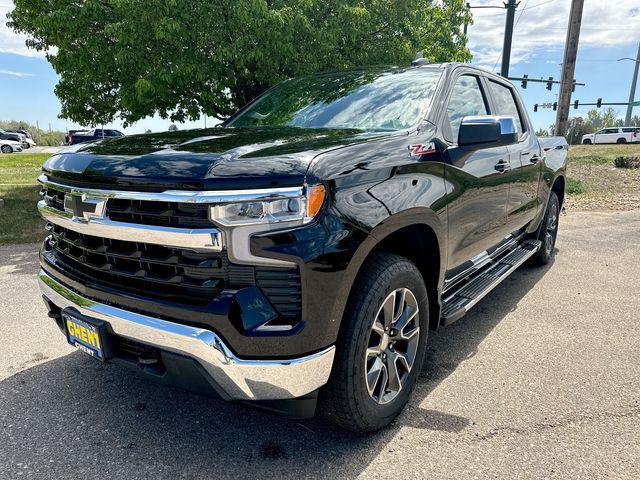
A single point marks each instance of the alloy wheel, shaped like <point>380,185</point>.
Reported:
<point>393,343</point>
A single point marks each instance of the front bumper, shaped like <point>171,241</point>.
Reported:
<point>239,379</point>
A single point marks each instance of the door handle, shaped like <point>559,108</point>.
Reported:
<point>535,159</point>
<point>502,166</point>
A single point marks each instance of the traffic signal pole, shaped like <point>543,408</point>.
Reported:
<point>508,36</point>
<point>568,66</point>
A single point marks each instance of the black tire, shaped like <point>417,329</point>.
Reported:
<point>621,140</point>
<point>586,142</point>
<point>548,231</point>
<point>345,399</point>
<point>6,149</point>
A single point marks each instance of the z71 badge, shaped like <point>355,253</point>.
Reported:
<point>420,149</point>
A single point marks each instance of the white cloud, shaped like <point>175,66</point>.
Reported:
<point>16,74</point>
<point>10,41</point>
<point>542,25</point>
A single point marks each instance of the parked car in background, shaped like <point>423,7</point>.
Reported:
<point>613,135</point>
<point>14,136</point>
<point>28,141</point>
<point>10,146</point>
<point>80,136</point>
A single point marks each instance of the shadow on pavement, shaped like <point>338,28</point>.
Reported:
<point>75,416</point>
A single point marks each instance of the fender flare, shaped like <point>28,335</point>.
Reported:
<point>392,224</point>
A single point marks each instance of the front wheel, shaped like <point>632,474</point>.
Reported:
<point>381,347</point>
<point>586,142</point>
<point>548,231</point>
<point>6,149</point>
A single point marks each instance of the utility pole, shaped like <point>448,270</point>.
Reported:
<point>569,65</point>
<point>508,35</point>
<point>632,92</point>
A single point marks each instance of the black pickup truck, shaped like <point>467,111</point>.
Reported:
<point>300,253</point>
<point>79,136</point>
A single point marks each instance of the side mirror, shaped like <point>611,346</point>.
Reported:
<point>486,131</point>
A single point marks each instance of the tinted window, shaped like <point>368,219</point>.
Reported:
<point>610,130</point>
<point>506,103</point>
<point>368,100</point>
<point>629,130</point>
<point>466,99</point>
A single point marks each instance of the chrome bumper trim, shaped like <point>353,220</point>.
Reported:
<point>240,379</point>
<point>197,239</point>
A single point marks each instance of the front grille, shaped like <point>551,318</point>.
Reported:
<point>143,212</point>
<point>53,198</point>
<point>164,214</point>
<point>151,270</point>
<point>172,274</point>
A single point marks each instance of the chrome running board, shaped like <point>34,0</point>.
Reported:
<point>460,301</point>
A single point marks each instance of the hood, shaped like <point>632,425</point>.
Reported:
<point>206,159</point>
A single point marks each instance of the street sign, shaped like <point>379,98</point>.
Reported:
<point>636,103</point>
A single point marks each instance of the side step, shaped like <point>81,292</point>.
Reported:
<point>458,303</point>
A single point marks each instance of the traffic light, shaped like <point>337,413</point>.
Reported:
<point>573,87</point>
<point>535,107</point>
<point>524,82</point>
<point>599,103</point>
<point>575,104</point>
<point>549,83</point>
<point>555,106</point>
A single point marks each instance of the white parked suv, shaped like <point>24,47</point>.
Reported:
<point>613,135</point>
<point>10,146</point>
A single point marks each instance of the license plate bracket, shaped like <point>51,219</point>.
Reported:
<point>89,335</point>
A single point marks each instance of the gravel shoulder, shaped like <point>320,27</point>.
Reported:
<point>540,380</point>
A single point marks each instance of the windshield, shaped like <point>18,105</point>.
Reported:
<point>366,100</point>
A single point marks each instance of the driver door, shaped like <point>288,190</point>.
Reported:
<point>477,182</point>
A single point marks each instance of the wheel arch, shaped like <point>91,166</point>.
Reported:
<point>558,188</point>
<point>417,234</point>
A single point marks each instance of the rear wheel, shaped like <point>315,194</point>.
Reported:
<point>6,149</point>
<point>622,140</point>
<point>548,231</point>
<point>381,349</point>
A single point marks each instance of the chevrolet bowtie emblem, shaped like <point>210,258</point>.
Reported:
<point>83,207</point>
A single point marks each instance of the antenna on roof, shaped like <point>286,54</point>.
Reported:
<point>420,60</point>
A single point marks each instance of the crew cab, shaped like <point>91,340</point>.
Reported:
<point>299,254</point>
<point>613,135</point>
<point>79,136</point>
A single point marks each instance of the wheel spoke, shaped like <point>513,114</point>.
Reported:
<point>394,377</point>
<point>403,360</point>
<point>373,352</point>
<point>378,327</point>
<point>388,309</point>
<point>374,374</point>
<point>398,307</point>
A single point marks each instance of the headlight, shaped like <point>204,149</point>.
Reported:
<point>297,207</point>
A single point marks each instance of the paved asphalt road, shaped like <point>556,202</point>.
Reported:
<point>541,380</point>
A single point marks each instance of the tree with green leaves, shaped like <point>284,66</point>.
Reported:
<point>184,58</point>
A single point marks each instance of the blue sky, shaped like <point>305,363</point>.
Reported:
<point>611,30</point>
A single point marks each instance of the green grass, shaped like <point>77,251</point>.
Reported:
<point>19,218</point>
<point>575,187</point>
<point>600,154</point>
